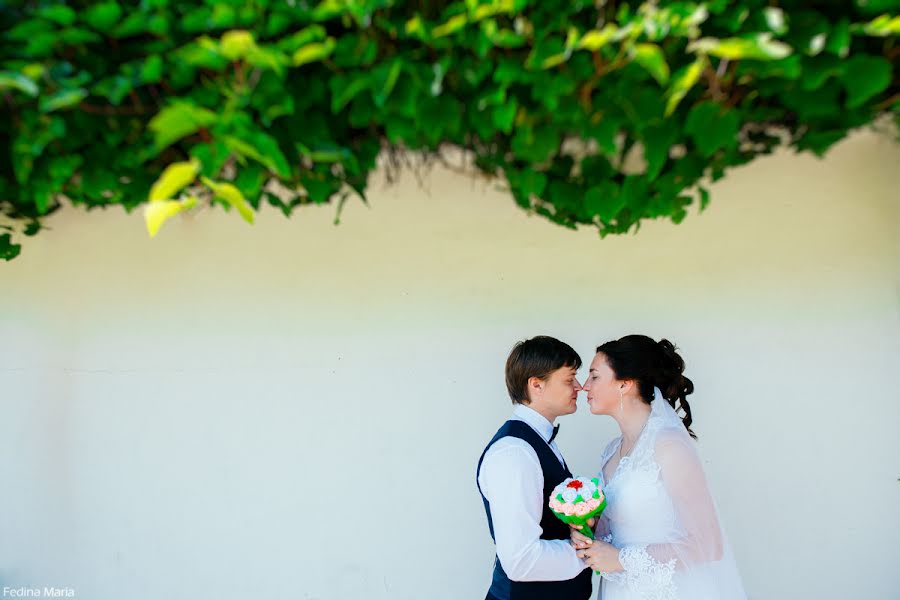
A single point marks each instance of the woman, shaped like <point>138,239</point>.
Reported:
<point>659,537</point>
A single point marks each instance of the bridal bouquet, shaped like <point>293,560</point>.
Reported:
<point>575,501</point>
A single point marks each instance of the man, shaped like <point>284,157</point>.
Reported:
<point>519,469</point>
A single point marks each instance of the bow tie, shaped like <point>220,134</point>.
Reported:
<point>553,436</point>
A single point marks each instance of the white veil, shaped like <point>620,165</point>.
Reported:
<point>680,556</point>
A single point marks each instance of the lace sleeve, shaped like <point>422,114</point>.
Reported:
<point>643,574</point>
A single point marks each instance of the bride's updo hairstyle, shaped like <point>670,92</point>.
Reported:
<point>651,364</point>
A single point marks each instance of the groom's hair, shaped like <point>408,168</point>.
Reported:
<point>537,357</point>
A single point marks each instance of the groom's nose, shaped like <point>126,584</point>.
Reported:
<point>578,387</point>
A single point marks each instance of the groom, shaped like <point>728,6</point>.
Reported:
<point>519,469</point>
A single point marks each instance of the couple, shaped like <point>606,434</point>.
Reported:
<point>659,537</point>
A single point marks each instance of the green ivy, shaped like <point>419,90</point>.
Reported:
<point>240,102</point>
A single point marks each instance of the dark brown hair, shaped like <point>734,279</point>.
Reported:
<point>651,364</point>
<point>537,357</point>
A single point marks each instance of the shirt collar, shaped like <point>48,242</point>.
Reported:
<point>536,420</point>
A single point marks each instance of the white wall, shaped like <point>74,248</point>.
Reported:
<point>178,414</point>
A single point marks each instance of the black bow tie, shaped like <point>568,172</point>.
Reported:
<point>553,436</point>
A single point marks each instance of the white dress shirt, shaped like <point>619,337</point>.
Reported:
<point>512,481</point>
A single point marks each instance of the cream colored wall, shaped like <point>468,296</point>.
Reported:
<point>179,416</point>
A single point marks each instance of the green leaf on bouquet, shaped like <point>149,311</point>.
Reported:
<point>597,495</point>
<point>577,499</point>
<point>560,498</point>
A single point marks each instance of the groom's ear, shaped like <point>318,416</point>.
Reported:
<point>535,385</point>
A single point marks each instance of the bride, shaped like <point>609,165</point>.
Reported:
<point>660,537</point>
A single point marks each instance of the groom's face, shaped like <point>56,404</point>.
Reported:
<point>560,393</point>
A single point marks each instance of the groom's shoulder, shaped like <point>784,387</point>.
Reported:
<point>509,439</point>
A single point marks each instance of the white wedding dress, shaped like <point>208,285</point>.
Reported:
<point>662,518</point>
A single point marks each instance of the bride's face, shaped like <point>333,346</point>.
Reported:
<point>602,387</point>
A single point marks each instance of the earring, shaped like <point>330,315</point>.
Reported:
<point>621,401</point>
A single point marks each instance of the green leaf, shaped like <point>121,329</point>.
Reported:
<point>875,6</point>
<point>759,47</point>
<point>344,90</point>
<point>173,178</point>
<point>453,25</point>
<point>313,52</point>
<point>223,16</point>
<point>657,142</point>
<point>75,36</point>
<point>262,148</point>
<point>157,213</point>
<point>839,39</point>
<point>387,77</point>
<point>30,142</point>
<point>313,33</point>
<point>63,99</point>
<point>865,76</point>
<point>26,30</point>
<point>8,250</point>
<point>267,58</point>
<point>536,145</point>
<point>61,168</point>
<point>250,180</point>
<point>650,56</point>
<point>415,27</point>
<point>236,44</point>
<point>604,201</point>
<point>59,14</point>
<point>818,70</point>
<point>818,142</point>
<point>526,183</point>
<point>42,194</point>
<point>152,70</point>
<point>102,16</point>
<point>203,52</point>
<point>177,121</point>
<point>883,26</point>
<point>324,154</point>
<point>603,130</point>
<point>113,89</point>
<point>704,198</point>
<point>134,24</point>
<point>212,157</point>
<point>504,115</point>
<point>686,78</point>
<point>595,39</point>
<point>17,81</point>
<point>711,128</point>
<point>231,195</point>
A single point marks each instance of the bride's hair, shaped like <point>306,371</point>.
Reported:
<point>652,364</point>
